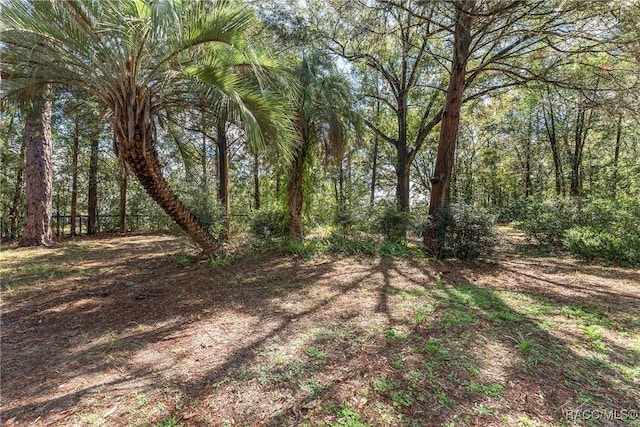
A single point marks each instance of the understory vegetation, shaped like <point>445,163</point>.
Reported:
<point>588,228</point>
<point>320,213</point>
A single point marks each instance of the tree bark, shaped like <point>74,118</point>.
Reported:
<point>74,177</point>
<point>39,171</point>
<point>123,177</point>
<point>583,124</point>
<point>441,180</point>
<point>295,196</point>
<point>14,212</point>
<point>92,202</point>
<point>256,180</point>
<point>550,126</point>
<point>223,174</point>
<point>616,159</point>
<point>374,170</point>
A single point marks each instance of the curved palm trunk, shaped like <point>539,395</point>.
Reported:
<point>140,153</point>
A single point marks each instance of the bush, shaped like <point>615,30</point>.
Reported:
<point>391,223</point>
<point>270,222</point>
<point>464,232</point>
<point>597,228</point>
<point>345,220</point>
<point>590,243</point>
<point>547,220</point>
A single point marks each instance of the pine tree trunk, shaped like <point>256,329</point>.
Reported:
<point>223,175</point>
<point>74,178</point>
<point>441,181</point>
<point>92,202</point>
<point>39,171</point>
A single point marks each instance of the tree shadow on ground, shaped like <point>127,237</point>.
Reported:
<point>275,340</point>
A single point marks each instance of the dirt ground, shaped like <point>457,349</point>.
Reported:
<point>134,330</point>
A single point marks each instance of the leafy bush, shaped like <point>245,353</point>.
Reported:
<point>391,223</point>
<point>464,232</point>
<point>596,228</point>
<point>590,243</point>
<point>547,220</point>
<point>345,220</point>
<point>270,222</point>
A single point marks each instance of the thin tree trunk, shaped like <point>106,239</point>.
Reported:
<point>616,159</point>
<point>295,196</point>
<point>583,124</point>
<point>550,126</point>
<point>256,180</point>
<point>74,177</point>
<point>374,170</point>
<point>403,167</point>
<point>223,174</point>
<point>441,180</point>
<point>39,171</point>
<point>122,205</point>
<point>92,202</point>
<point>340,196</point>
<point>528,186</point>
<point>14,212</point>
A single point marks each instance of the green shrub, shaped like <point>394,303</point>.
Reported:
<point>464,232</point>
<point>588,228</point>
<point>391,222</point>
<point>547,220</point>
<point>590,243</point>
<point>270,222</point>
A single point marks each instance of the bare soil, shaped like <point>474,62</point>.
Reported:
<point>136,330</point>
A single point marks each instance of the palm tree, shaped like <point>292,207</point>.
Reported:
<point>137,58</point>
<point>323,112</point>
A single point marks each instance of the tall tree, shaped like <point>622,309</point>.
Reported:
<point>75,151</point>
<point>391,43</point>
<point>223,173</point>
<point>14,211</point>
<point>441,180</point>
<point>39,171</point>
<point>323,112</point>
<point>92,197</point>
<point>135,56</point>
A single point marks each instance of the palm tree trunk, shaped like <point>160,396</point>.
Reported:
<point>295,195</point>
<point>39,171</point>
<point>140,154</point>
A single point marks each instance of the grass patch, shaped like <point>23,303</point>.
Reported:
<point>492,390</point>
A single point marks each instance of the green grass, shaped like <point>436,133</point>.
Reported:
<point>491,390</point>
<point>347,417</point>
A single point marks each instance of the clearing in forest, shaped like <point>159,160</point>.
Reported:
<point>120,331</point>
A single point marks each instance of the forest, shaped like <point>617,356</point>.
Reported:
<point>320,212</point>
